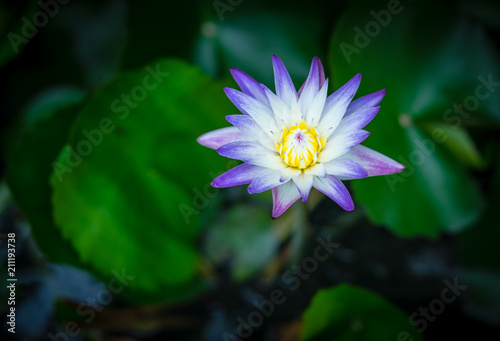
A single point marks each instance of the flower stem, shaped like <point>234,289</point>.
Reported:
<point>300,231</point>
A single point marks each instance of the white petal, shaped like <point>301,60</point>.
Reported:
<point>336,105</point>
<point>295,115</point>
<point>257,110</point>
<point>251,130</point>
<point>374,162</point>
<point>280,109</point>
<point>310,88</point>
<point>340,144</point>
<point>288,173</point>
<point>345,168</point>
<point>317,170</point>
<point>314,112</point>
<point>304,183</point>
<point>265,180</point>
<point>252,153</point>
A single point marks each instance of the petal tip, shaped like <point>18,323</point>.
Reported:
<point>397,167</point>
<point>215,183</point>
<point>277,61</point>
<point>349,208</point>
<point>221,150</point>
<point>204,141</point>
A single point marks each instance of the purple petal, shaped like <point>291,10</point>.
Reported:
<point>249,85</point>
<point>285,89</point>
<point>374,162</point>
<point>251,130</point>
<point>265,180</point>
<point>321,76</point>
<point>304,183</point>
<point>340,144</point>
<point>252,153</point>
<point>311,87</point>
<point>239,175</point>
<point>321,72</point>
<point>333,188</point>
<point>346,169</point>
<point>248,105</point>
<point>283,197</point>
<point>357,121</point>
<point>367,101</point>
<point>336,104</point>
<point>217,138</point>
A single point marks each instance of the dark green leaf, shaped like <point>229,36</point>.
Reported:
<point>132,183</point>
<point>419,56</point>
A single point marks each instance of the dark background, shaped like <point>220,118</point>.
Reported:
<point>139,202</point>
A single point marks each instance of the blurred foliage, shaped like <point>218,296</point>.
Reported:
<point>243,239</point>
<point>284,34</point>
<point>346,312</point>
<point>423,61</point>
<point>102,106</point>
<point>12,39</point>
<point>48,120</point>
<point>126,177</point>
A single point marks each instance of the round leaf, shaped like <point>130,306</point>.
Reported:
<point>130,186</point>
<point>416,51</point>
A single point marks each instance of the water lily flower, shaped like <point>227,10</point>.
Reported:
<point>294,140</point>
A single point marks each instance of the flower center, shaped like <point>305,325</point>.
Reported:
<point>299,146</point>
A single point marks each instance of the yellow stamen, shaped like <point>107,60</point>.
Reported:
<point>299,146</point>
